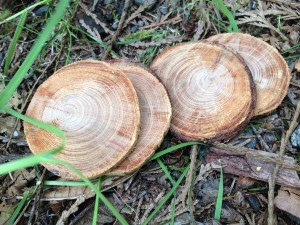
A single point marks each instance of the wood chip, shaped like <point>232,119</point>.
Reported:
<point>96,106</point>
<point>211,92</point>
<point>269,70</point>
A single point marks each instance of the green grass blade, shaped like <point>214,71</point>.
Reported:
<point>33,159</point>
<point>38,123</point>
<point>91,185</point>
<point>24,162</point>
<point>95,216</point>
<point>173,148</point>
<point>31,57</point>
<point>279,22</point>
<point>292,57</point>
<point>218,210</point>
<point>166,198</point>
<point>173,210</point>
<point>227,13</point>
<point>291,48</point>
<point>166,171</point>
<point>14,41</point>
<point>18,209</point>
<point>7,213</point>
<point>25,10</point>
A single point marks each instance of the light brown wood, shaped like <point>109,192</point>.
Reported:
<point>269,70</point>
<point>211,91</point>
<point>155,110</point>
<point>96,106</point>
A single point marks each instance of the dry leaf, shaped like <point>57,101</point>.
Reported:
<point>297,65</point>
<point>20,181</point>
<point>67,192</point>
<point>288,199</point>
<point>15,100</point>
<point>245,182</point>
<point>4,212</point>
<point>7,125</point>
<point>292,96</point>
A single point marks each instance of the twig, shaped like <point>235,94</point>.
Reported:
<point>65,215</point>
<point>36,204</point>
<point>137,12</point>
<point>173,20</point>
<point>272,179</point>
<point>261,140</point>
<point>178,211</point>
<point>81,214</point>
<point>189,177</point>
<point>94,16</point>
<point>152,206</point>
<point>204,171</point>
<point>253,153</point>
<point>138,211</point>
<point>118,31</point>
<point>21,214</point>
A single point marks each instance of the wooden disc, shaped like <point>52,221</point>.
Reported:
<point>211,91</point>
<point>269,70</point>
<point>96,106</point>
<point>155,110</point>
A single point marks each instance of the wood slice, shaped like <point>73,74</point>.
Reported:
<point>211,91</point>
<point>96,106</point>
<point>155,110</point>
<point>269,70</point>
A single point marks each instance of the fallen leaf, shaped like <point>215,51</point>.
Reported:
<point>288,199</point>
<point>297,65</point>
<point>245,182</point>
<point>7,124</point>
<point>15,100</point>
<point>5,212</point>
<point>67,192</point>
<point>20,181</point>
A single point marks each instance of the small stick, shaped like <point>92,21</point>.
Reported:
<point>250,152</point>
<point>74,208</point>
<point>138,211</point>
<point>173,20</point>
<point>94,16</point>
<point>272,179</point>
<point>37,200</point>
<point>118,31</point>
<point>261,140</point>
<point>189,177</point>
<point>152,206</point>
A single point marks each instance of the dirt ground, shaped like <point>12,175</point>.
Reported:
<point>90,30</point>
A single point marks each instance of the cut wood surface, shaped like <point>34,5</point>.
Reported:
<point>155,110</point>
<point>211,91</point>
<point>96,106</point>
<point>269,70</point>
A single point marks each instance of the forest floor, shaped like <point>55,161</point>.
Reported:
<point>87,32</point>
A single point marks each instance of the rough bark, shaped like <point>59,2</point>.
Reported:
<point>252,166</point>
